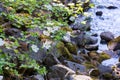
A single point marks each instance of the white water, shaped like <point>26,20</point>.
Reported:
<point>110,20</point>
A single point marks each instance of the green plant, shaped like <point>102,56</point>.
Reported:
<point>7,64</point>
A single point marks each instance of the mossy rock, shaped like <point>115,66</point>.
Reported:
<point>103,56</point>
<point>62,50</point>
<point>94,73</point>
<point>72,48</point>
<point>108,76</point>
<point>89,65</point>
<point>93,55</point>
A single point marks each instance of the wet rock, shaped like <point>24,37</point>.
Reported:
<point>79,77</point>
<point>84,39</point>
<point>100,6</point>
<point>107,36</point>
<point>50,60</point>
<point>76,67</point>
<point>94,72</point>
<point>112,7</point>
<point>59,71</point>
<point>79,40</point>
<point>104,69</point>
<point>91,47</point>
<point>103,56</point>
<point>90,39</point>
<point>114,44</point>
<point>99,13</point>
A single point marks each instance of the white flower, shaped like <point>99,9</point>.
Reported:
<point>1,42</point>
<point>47,33</point>
<point>34,48</point>
<point>47,44</point>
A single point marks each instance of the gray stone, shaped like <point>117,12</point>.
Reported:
<point>50,60</point>
<point>59,72</point>
<point>75,66</point>
<point>107,36</point>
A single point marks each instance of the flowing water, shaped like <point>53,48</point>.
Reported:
<point>108,19</point>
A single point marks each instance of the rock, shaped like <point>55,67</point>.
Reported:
<point>103,56</point>
<point>62,50</point>
<point>78,59</point>
<point>94,73</point>
<point>38,77</point>
<point>112,7</point>
<point>76,67</point>
<point>107,76</point>
<point>84,39</point>
<point>79,77</point>
<point>90,39</point>
<point>50,60</point>
<point>99,13</point>
<point>72,48</point>
<point>104,69</point>
<point>93,55</point>
<point>81,23</point>
<point>91,47</point>
<point>79,40</point>
<point>107,36</point>
<point>114,44</point>
<point>89,65</point>
<point>59,71</point>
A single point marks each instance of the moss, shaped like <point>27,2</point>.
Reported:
<point>89,65</point>
<point>72,48</point>
<point>107,76</point>
<point>93,55</point>
<point>63,50</point>
<point>103,56</point>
